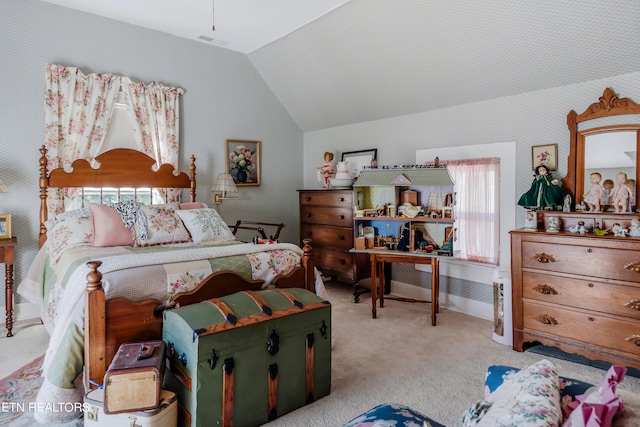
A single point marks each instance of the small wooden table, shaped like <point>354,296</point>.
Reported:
<point>7,257</point>
<point>379,257</point>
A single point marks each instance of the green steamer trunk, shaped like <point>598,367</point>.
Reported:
<point>244,359</point>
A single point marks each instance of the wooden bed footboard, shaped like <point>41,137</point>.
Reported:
<point>107,324</point>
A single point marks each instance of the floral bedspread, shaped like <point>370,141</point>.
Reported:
<point>157,272</point>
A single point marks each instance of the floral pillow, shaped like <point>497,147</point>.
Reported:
<point>529,397</point>
<point>205,225</point>
<point>69,229</point>
<point>163,225</point>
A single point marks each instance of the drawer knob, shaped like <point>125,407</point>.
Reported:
<point>343,261</point>
<point>547,320</point>
<point>341,199</point>
<point>307,215</point>
<point>340,216</point>
<point>634,339</point>
<point>308,199</point>
<point>633,304</point>
<point>591,319</point>
<point>545,289</point>
<point>589,250</point>
<point>309,234</point>
<point>341,237</point>
<point>590,285</point>
<point>543,258</point>
<point>633,266</point>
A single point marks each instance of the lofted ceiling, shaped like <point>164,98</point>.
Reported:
<point>334,63</point>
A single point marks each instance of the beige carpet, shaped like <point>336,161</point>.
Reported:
<point>400,358</point>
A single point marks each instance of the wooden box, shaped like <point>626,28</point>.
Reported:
<point>133,381</point>
<point>409,196</point>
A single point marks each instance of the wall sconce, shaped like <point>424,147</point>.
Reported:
<point>224,184</point>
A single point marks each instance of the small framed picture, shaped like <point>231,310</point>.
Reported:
<point>5,226</point>
<point>243,159</point>
<point>356,160</point>
<point>545,155</point>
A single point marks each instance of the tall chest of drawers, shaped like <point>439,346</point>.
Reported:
<point>326,217</point>
<point>578,293</point>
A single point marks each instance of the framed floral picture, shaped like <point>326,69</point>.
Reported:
<point>243,158</point>
<point>5,226</point>
<point>545,155</point>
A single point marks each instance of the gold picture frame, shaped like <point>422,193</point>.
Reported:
<point>5,226</point>
<point>243,161</point>
<point>545,155</point>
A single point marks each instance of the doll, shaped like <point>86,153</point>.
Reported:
<point>634,228</point>
<point>326,169</point>
<point>595,195</point>
<point>620,194</point>
<point>608,186</point>
<point>545,192</point>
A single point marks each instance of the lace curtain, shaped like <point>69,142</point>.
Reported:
<point>78,110</point>
<point>477,208</point>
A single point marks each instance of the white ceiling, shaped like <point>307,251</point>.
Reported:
<point>337,62</point>
<point>240,25</point>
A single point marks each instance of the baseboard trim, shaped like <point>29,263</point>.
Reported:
<point>450,302</point>
<point>21,311</point>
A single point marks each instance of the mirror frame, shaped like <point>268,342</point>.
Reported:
<point>609,105</point>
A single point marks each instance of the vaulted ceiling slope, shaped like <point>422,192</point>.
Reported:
<point>375,59</point>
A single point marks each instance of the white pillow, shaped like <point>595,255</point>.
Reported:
<point>69,230</point>
<point>205,225</point>
<point>529,397</point>
<point>163,225</point>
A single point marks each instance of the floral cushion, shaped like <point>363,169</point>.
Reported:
<point>69,229</point>
<point>392,415</point>
<point>205,225</point>
<point>530,397</point>
<point>163,225</point>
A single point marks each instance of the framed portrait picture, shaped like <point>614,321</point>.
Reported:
<point>5,226</point>
<point>356,160</point>
<point>545,155</point>
<point>243,160</point>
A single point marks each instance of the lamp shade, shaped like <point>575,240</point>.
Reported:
<point>224,184</point>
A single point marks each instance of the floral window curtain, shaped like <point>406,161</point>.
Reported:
<point>78,109</point>
<point>477,208</point>
<point>154,112</point>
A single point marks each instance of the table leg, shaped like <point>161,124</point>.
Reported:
<point>9,297</point>
<point>381,280</point>
<point>374,285</point>
<point>435,283</point>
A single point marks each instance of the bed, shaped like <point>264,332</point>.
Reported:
<point>105,272</point>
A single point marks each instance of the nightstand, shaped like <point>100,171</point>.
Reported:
<point>7,256</point>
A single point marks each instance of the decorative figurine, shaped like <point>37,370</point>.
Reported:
<point>596,194</point>
<point>326,169</point>
<point>545,192</point>
<point>618,231</point>
<point>631,185</point>
<point>600,232</point>
<point>634,228</point>
<point>578,228</point>
<point>531,221</point>
<point>620,194</point>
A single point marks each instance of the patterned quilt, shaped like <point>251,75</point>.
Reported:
<point>156,272</point>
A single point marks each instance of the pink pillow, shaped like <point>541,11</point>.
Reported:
<point>108,228</point>
<point>193,205</point>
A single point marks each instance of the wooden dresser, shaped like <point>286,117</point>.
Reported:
<point>326,217</point>
<point>580,293</point>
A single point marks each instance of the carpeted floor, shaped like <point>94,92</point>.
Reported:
<point>397,358</point>
<point>17,393</point>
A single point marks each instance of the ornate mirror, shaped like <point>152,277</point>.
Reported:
<point>607,149</point>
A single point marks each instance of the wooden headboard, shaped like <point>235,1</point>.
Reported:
<point>119,168</point>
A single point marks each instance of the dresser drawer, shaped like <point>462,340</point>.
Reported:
<point>338,237</point>
<point>588,260</point>
<point>582,293</point>
<point>327,198</point>
<point>583,326</point>
<point>333,259</point>
<point>342,217</point>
